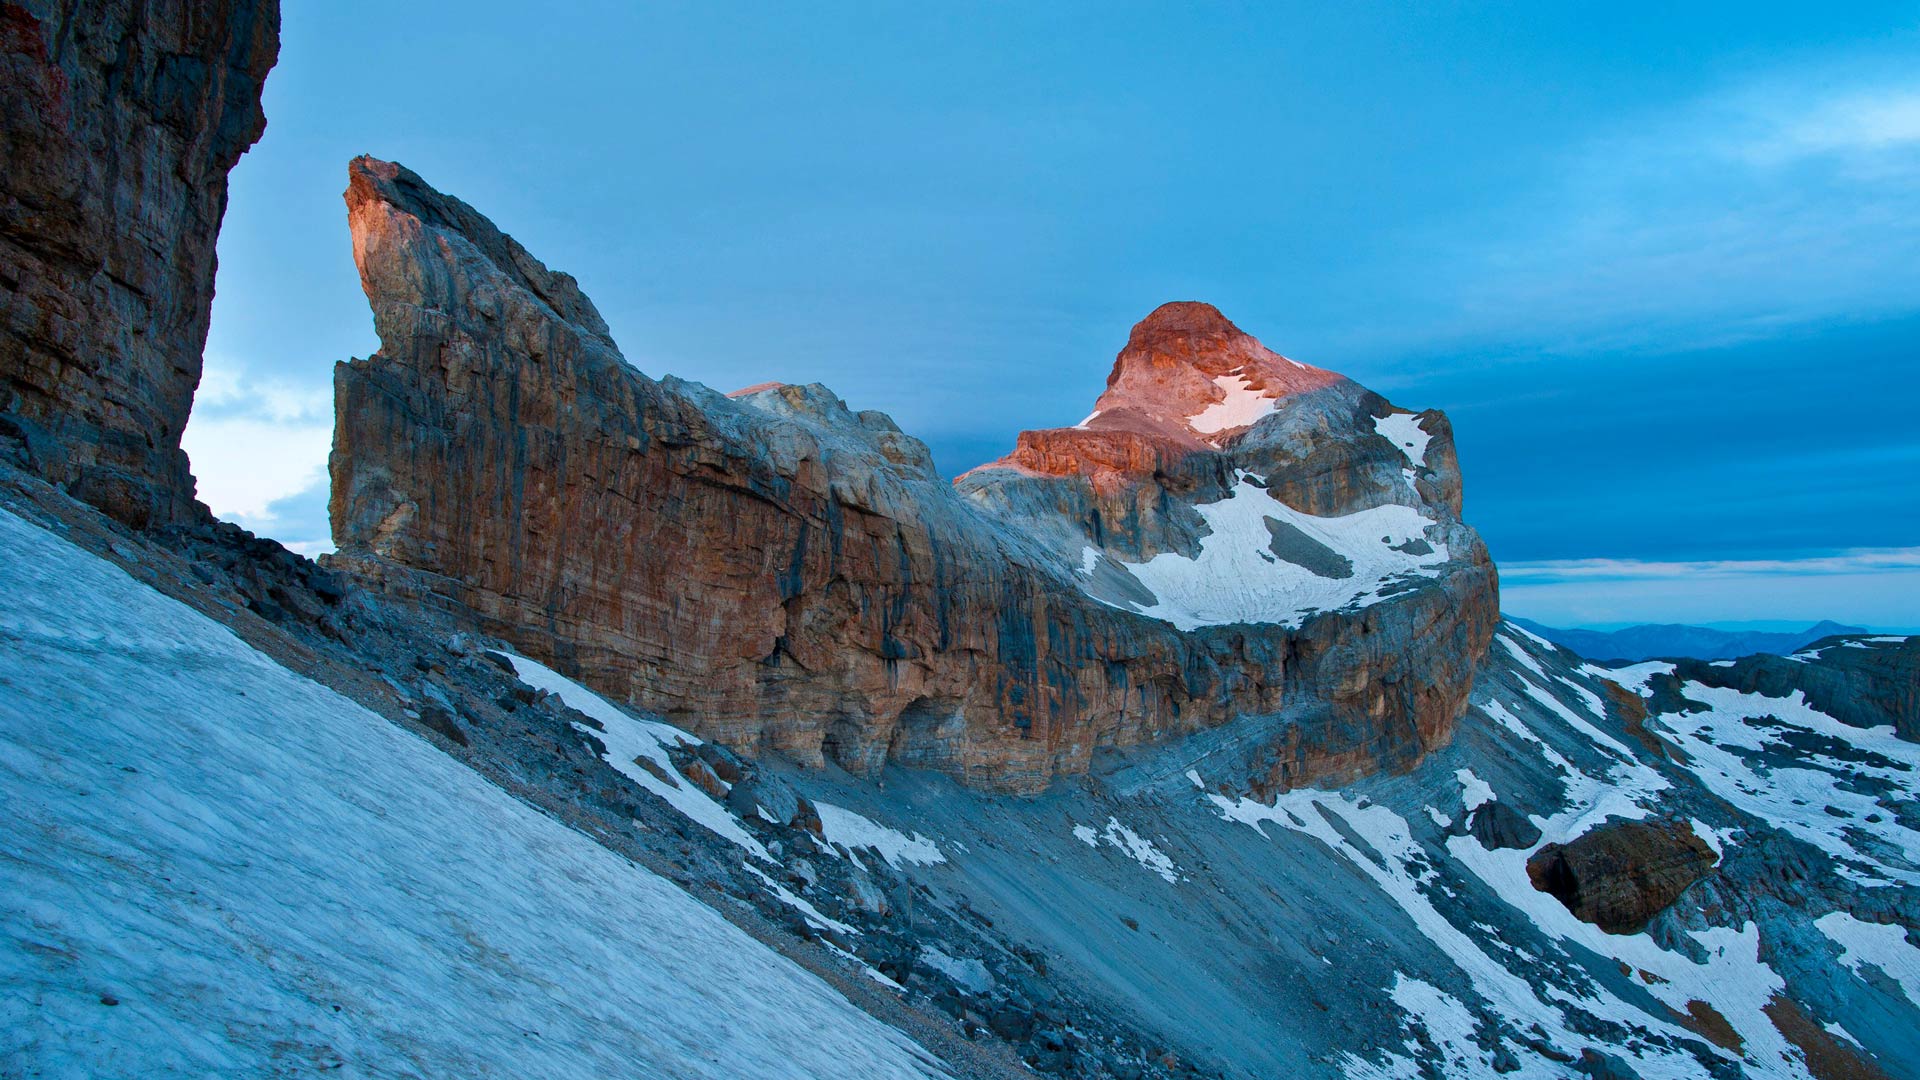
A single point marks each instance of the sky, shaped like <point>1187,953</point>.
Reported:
<point>1660,264</point>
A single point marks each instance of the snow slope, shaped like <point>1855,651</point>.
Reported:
<point>215,867</point>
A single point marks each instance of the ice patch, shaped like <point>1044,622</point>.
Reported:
<point>970,975</point>
<point>273,879</point>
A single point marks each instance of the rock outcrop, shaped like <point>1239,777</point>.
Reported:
<point>1620,875</point>
<point>1219,483</point>
<point>1862,680</point>
<point>775,571</point>
<point>122,122</point>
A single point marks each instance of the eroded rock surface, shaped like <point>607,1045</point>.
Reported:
<point>776,571</point>
<point>122,120</point>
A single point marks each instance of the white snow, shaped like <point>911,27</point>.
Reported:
<point>1712,837</point>
<point>850,831</point>
<point>1878,945</point>
<point>1473,791</point>
<point>1240,406</point>
<point>1403,430</point>
<point>627,739</point>
<point>1404,872</point>
<point>1739,749</point>
<point>970,975</point>
<point>271,879</point>
<point>801,904</point>
<point>1133,846</point>
<point>1237,578</point>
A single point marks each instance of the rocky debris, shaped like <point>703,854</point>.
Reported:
<point>1496,825</point>
<point>122,121</point>
<point>1621,874</point>
<point>776,572</point>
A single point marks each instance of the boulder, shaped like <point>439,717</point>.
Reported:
<point>1618,876</point>
<point>1496,825</point>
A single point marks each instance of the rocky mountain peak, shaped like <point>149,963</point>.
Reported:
<point>779,572</point>
<point>1189,373</point>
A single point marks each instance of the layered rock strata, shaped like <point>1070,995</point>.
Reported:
<point>776,571</point>
<point>122,120</point>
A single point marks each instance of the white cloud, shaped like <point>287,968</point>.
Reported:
<point>256,445</point>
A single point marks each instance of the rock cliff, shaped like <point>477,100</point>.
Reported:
<point>776,571</point>
<point>122,121</point>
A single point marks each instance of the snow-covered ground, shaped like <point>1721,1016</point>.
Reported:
<point>1237,577</point>
<point>212,866</point>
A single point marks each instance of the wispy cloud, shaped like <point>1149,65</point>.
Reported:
<point>259,451</point>
<point>1865,560</point>
<point>1876,586</point>
<point>1780,202</point>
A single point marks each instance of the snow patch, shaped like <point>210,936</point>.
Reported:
<point>1236,578</point>
<point>850,831</point>
<point>1403,430</point>
<point>628,739</point>
<point>1876,944</point>
<point>1240,406</point>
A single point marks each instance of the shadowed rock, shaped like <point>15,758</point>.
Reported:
<point>122,121</point>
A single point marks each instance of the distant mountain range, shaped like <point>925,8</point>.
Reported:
<point>1672,639</point>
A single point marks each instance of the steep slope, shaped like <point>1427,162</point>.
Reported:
<point>122,122</point>
<point>1763,855</point>
<point>776,572</point>
<point>1664,640</point>
<point>214,866</point>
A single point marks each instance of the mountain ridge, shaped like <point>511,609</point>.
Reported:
<point>1649,641</point>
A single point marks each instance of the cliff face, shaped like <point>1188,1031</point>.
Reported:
<point>122,121</point>
<point>775,571</point>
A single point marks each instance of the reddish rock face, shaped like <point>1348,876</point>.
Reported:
<point>779,573</point>
<point>122,121</point>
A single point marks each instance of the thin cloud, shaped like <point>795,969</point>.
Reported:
<point>1865,560</point>
<point>1779,203</point>
<point>1878,587</point>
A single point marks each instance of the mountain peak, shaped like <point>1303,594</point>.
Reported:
<point>1189,372</point>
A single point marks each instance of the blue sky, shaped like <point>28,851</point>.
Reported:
<point>1662,267</point>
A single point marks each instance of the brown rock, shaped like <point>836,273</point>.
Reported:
<point>1620,875</point>
<point>122,120</point>
<point>774,571</point>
